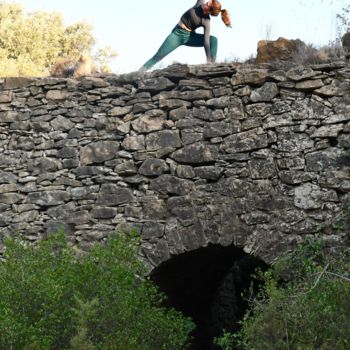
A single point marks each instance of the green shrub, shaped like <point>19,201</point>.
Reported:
<point>309,311</point>
<point>52,299</point>
<point>226,341</point>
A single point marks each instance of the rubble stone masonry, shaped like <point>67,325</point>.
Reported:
<point>255,156</point>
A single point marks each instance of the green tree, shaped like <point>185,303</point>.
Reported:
<point>52,299</point>
<point>31,43</point>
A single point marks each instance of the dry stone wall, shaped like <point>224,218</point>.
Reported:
<point>255,156</point>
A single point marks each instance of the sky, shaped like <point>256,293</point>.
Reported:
<point>136,28</point>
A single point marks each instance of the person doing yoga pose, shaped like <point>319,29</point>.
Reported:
<point>184,32</point>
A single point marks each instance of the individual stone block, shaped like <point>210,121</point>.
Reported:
<point>153,167</point>
<point>196,153</point>
<point>265,93</point>
<point>245,141</point>
<point>98,152</point>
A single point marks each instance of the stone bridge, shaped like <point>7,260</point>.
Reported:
<point>221,168</point>
<point>253,157</point>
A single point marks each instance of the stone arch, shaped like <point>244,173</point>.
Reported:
<point>206,284</point>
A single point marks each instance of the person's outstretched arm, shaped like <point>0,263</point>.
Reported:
<point>206,26</point>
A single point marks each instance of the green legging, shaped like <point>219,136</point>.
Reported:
<point>178,37</point>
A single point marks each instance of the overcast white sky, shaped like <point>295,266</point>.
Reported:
<point>137,31</point>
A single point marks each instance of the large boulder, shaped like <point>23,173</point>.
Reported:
<point>281,49</point>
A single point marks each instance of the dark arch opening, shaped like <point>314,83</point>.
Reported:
<point>207,285</point>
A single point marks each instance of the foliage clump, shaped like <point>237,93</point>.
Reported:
<point>304,303</point>
<point>52,299</point>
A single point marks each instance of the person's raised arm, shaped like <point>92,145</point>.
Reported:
<point>206,26</point>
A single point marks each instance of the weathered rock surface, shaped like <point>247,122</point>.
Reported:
<point>281,49</point>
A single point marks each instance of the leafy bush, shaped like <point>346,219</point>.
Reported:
<point>52,299</point>
<point>309,311</point>
<point>226,341</point>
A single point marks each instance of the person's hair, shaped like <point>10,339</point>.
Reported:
<point>215,10</point>
<point>226,18</point>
